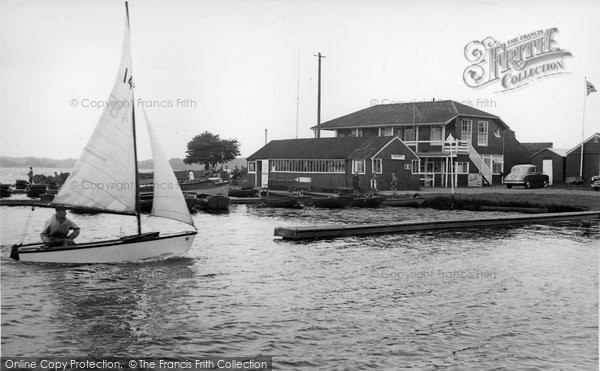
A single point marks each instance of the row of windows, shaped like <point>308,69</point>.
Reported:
<point>436,132</point>
<point>466,131</point>
<point>308,166</point>
<point>358,166</point>
<point>494,162</point>
<point>437,165</point>
<point>424,165</point>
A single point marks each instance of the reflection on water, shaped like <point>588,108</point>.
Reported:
<point>484,298</point>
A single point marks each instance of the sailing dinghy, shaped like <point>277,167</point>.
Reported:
<point>110,159</point>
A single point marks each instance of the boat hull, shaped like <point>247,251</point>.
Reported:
<point>249,192</point>
<point>128,249</point>
<point>208,188</point>
<point>403,201</point>
<point>217,203</point>
<point>331,202</point>
<point>370,201</point>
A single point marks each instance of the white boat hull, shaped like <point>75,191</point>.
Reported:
<point>113,251</point>
<point>206,188</point>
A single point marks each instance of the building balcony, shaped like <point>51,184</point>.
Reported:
<point>458,147</point>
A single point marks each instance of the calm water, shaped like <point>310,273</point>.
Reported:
<point>494,298</point>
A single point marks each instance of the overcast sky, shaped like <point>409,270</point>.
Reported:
<point>235,63</point>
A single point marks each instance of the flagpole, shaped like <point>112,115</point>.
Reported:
<point>582,129</point>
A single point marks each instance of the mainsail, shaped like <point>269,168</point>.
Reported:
<point>104,177</point>
<point>168,201</point>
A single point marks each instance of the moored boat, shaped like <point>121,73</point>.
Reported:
<point>243,192</point>
<point>5,190</point>
<point>272,199</point>
<point>331,201</point>
<point>146,199</point>
<point>21,184</point>
<point>371,201</point>
<point>212,203</point>
<point>206,186</point>
<point>403,201</point>
<point>35,190</point>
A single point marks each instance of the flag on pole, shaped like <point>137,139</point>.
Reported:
<point>590,87</point>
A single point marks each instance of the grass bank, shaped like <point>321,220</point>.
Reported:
<point>552,202</point>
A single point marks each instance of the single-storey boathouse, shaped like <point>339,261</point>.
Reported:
<point>591,158</point>
<point>328,164</point>
<point>552,162</point>
<point>484,149</point>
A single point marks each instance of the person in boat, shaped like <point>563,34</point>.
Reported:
<point>374,183</point>
<point>57,228</point>
<point>30,175</point>
<point>355,183</point>
<point>394,183</point>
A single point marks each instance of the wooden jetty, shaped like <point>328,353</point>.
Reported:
<point>333,231</point>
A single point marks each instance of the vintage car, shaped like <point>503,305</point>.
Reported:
<point>526,175</point>
<point>596,182</point>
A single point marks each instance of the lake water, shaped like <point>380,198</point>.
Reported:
<point>504,298</point>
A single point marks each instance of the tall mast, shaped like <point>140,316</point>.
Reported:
<point>137,185</point>
<point>298,94</point>
<point>583,128</point>
<point>319,97</point>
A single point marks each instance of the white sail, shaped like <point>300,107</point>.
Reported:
<point>168,201</point>
<point>104,176</point>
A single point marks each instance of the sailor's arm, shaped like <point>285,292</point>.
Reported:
<point>45,231</point>
<point>75,232</point>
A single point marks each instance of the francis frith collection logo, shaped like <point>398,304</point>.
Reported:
<point>514,63</point>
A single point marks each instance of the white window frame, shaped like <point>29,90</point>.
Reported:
<point>406,139</point>
<point>308,166</point>
<point>252,167</point>
<point>358,132</point>
<point>463,132</point>
<point>460,167</point>
<point>492,160</point>
<point>386,131</point>
<point>441,136</point>
<point>354,166</point>
<point>482,136</point>
<point>415,164</point>
<point>377,167</point>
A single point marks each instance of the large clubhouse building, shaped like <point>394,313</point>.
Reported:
<point>430,136</point>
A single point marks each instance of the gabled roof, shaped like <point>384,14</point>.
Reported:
<point>321,148</point>
<point>587,140</point>
<point>434,112</point>
<point>558,151</point>
<point>535,147</point>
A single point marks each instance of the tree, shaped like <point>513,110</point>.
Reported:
<point>209,149</point>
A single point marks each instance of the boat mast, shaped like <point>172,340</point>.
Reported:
<point>137,185</point>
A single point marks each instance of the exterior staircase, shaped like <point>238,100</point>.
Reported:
<point>484,170</point>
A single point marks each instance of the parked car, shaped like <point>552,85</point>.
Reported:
<point>596,182</point>
<point>528,176</point>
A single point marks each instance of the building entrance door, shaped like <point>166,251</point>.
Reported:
<point>265,173</point>
<point>547,169</point>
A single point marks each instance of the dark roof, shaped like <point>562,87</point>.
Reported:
<point>584,142</point>
<point>535,147</point>
<point>321,148</point>
<point>439,112</point>
<point>557,151</point>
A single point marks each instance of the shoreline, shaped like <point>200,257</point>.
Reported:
<point>552,199</point>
